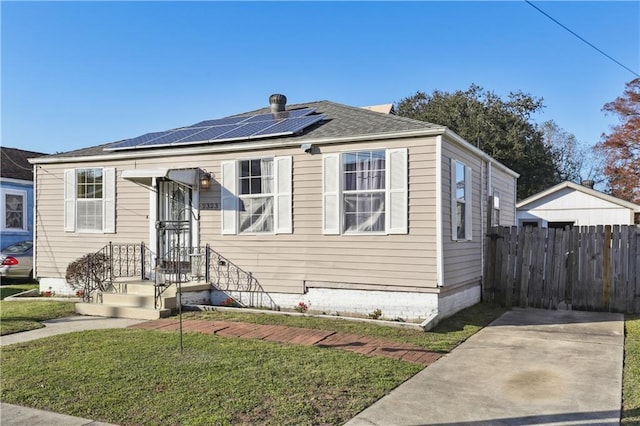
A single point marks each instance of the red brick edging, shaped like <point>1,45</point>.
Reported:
<point>302,336</point>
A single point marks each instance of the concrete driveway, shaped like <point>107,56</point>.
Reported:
<point>530,366</point>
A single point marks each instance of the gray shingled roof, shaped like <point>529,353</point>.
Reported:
<point>14,164</point>
<point>342,121</point>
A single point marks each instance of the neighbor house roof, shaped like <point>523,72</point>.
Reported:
<point>384,108</point>
<point>522,205</point>
<point>14,164</point>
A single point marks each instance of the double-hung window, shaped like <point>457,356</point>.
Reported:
<point>256,196</point>
<point>365,192</point>
<point>495,215</point>
<point>461,190</point>
<point>90,200</point>
<point>14,210</point>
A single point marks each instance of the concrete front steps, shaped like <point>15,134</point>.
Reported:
<point>136,301</point>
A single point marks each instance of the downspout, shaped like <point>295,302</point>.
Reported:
<point>439,231</point>
<point>153,231</point>
<point>35,225</point>
<point>485,215</point>
<point>432,317</point>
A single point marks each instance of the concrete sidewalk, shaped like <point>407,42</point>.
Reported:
<point>14,415</point>
<point>529,366</point>
<point>67,325</point>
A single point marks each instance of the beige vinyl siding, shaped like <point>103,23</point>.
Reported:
<point>506,185</point>
<point>280,263</point>
<point>462,259</point>
<point>283,263</point>
<point>55,248</point>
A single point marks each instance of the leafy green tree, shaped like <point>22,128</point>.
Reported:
<point>501,128</point>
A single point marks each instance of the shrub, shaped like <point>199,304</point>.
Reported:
<point>375,314</point>
<point>91,269</point>
<point>301,307</point>
<point>230,302</point>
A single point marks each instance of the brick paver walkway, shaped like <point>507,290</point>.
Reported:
<point>303,336</point>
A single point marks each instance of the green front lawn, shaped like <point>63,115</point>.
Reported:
<point>24,315</point>
<point>133,377</point>
<point>7,290</point>
<point>631,373</point>
<point>139,377</point>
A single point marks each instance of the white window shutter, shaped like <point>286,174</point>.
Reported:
<point>397,191</point>
<point>283,207</point>
<point>229,197</point>
<point>468,196</point>
<point>454,201</point>
<point>331,194</point>
<point>70,200</point>
<point>109,193</point>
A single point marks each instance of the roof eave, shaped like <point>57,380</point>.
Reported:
<point>253,145</point>
<point>480,153</point>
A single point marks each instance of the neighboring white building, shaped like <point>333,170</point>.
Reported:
<point>577,205</point>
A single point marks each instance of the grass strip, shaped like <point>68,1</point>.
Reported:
<point>22,315</point>
<point>631,372</point>
<point>11,289</point>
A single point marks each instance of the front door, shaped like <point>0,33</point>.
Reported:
<point>174,226</point>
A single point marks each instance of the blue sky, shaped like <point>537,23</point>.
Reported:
<point>77,74</point>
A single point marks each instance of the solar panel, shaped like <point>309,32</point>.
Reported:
<point>226,129</point>
<point>207,134</point>
<point>134,142</point>
<point>279,116</point>
<point>300,112</point>
<point>290,125</point>
<point>246,130</point>
<point>173,136</point>
<point>220,121</point>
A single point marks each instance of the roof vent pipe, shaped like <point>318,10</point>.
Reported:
<point>277,102</point>
<point>588,183</point>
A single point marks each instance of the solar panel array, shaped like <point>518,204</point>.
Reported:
<point>242,127</point>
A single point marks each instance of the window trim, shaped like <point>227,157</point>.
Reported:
<point>25,219</point>
<point>250,196</point>
<point>108,201</point>
<point>468,196</point>
<point>396,192</point>
<point>281,194</point>
<point>495,214</point>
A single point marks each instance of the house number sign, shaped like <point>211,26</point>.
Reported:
<point>209,206</point>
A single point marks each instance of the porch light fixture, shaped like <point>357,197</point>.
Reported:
<point>205,180</point>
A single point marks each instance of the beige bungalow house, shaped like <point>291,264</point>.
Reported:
<point>343,209</point>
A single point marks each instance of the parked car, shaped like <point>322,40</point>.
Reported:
<point>16,260</point>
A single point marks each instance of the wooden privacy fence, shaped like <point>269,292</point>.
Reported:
<point>594,268</point>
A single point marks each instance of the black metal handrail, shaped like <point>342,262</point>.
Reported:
<point>116,261</point>
<point>241,285</point>
<point>179,265</point>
